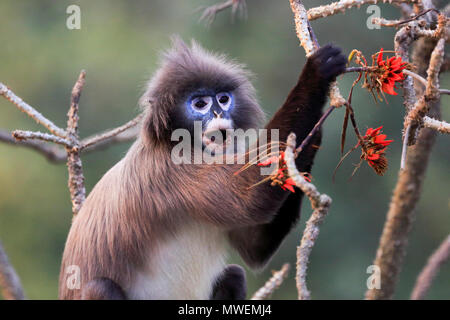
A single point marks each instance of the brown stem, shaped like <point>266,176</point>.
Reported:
<point>272,284</point>
<point>74,164</point>
<point>10,285</point>
<point>431,269</point>
<point>314,130</point>
<point>401,213</point>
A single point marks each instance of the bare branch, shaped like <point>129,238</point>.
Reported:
<point>58,155</point>
<point>314,130</point>
<point>33,113</point>
<point>310,44</point>
<point>52,153</point>
<point>431,269</point>
<point>91,141</point>
<point>10,285</point>
<point>421,107</point>
<point>320,204</point>
<point>424,81</point>
<point>394,239</point>
<point>209,13</point>
<point>342,5</point>
<point>74,164</point>
<point>440,126</point>
<point>26,135</point>
<point>272,284</point>
<point>431,33</point>
<point>402,43</point>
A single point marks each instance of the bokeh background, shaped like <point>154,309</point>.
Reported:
<point>118,45</point>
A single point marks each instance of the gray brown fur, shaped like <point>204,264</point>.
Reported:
<point>145,199</point>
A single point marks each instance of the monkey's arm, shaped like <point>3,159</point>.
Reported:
<point>300,112</point>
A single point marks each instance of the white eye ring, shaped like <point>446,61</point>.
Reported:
<point>224,100</point>
<point>202,104</point>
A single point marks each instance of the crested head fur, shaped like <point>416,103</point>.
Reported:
<point>185,69</point>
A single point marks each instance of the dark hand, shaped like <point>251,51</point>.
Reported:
<point>328,62</point>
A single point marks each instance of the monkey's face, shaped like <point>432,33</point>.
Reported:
<point>211,111</point>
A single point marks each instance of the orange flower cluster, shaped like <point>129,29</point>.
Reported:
<point>374,150</point>
<point>280,176</point>
<point>391,71</point>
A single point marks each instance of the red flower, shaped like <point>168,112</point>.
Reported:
<point>269,161</point>
<point>279,177</point>
<point>289,185</point>
<point>390,72</point>
<point>374,149</point>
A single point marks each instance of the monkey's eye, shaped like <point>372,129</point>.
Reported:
<point>202,104</point>
<point>224,100</point>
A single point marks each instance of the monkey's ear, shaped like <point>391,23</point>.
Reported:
<point>156,121</point>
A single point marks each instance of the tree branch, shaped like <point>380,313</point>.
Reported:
<point>10,285</point>
<point>320,204</point>
<point>100,138</point>
<point>394,238</point>
<point>25,135</point>
<point>440,126</point>
<point>422,106</point>
<point>74,164</point>
<point>29,110</point>
<point>342,5</point>
<point>52,153</point>
<point>431,269</point>
<point>209,13</point>
<point>308,41</point>
<point>272,284</point>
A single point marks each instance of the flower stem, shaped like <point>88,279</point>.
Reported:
<point>314,130</point>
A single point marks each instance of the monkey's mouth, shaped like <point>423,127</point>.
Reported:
<point>216,140</point>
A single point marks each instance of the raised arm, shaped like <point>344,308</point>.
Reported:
<point>300,112</point>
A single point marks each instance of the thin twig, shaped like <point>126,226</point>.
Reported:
<point>342,5</point>
<point>272,284</point>
<point>423,81</point>
<point>51,152</point>
<point>320,204</point>
<point>397,23</point>
<point>209,13</point>
<point>314,130</point>
<point>440,126</point>
<point>91,141</point>
<point>405,147</point>
<point>402,42</point>
<point>29,110</point>
<point>26,135</point>
<point>359,69</point>
<point>431,269</point>
<point>10,285</point>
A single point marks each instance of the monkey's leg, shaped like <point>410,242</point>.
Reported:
<point>231,284</point>
<point>102,289</point>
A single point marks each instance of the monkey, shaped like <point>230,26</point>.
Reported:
<point>153,229</point>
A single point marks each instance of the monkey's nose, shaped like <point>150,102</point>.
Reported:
<point>217,115</point>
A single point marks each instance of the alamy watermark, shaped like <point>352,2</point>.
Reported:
<point>227,146</point>
<point>375,12</point>
<point>73,281</point>
<point>374,281</point>
<point>73,21</point>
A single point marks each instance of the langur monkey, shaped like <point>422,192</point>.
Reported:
<point>153,229</point>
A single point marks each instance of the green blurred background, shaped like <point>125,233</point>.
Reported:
<point>118,45</point>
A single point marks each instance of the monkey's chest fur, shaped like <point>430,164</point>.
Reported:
<point>185,266</point>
